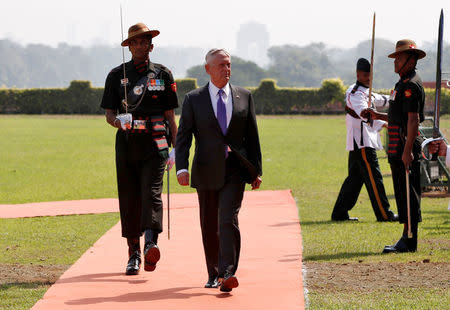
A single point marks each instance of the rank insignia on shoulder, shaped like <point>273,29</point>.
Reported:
<point>174,87</point>
<point>408,93</point>
<point>124,81</point>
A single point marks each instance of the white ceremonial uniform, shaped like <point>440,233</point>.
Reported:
<point>447,163</point>
<point>358,101</point>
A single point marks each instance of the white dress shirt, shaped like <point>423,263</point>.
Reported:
<point>226,97</point>
<point>358,101</point>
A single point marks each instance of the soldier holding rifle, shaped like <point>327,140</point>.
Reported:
<point>406,105</point>
<point>363,140</point>
<point>141,143</point>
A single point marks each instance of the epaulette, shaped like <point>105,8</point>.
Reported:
<point>163,68</point>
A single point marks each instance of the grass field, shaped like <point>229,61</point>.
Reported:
<point>48,158</point>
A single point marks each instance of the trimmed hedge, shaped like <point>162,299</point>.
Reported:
<point>271,99</point>
<point>429,100</point>
<point>81,98</point>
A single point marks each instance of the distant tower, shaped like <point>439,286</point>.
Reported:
<point>253,42</point>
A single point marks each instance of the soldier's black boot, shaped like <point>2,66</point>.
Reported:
<point>391,217</point>
<point>405,244</point>
<point>134,256</point>
<point>151,250</point>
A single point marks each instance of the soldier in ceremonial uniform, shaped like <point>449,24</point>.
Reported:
<point>142,142</point>
<point>405,113</point>
<point>363,140</point>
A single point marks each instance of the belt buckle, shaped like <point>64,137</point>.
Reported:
<point>140,124</point>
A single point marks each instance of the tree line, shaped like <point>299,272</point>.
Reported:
<point>41,66</point>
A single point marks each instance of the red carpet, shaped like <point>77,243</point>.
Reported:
<point>269,272</point>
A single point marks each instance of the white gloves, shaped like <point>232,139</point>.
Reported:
<point>125,120</point>
<point>171,159</point>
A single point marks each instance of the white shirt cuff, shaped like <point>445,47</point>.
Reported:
<point>181,171</point>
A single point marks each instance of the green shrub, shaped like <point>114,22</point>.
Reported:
<point>271,99</point>
<point>81,98</point>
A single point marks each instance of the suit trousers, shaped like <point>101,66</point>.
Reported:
<point>139,183</point>
<point>399,180</point>
<point>219,223</point>
<point>363,168</point>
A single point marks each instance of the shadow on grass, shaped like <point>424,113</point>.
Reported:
<point>307,258</point>
<point>443,212</point>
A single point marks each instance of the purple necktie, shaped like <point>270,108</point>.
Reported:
<point>222,113</point>
<point>222,117</point>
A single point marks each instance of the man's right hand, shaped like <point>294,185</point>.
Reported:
<point>183,178</point>
<point>366,113</point>
<point>439,147</point>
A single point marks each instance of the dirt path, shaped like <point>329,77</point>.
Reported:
<point>363,277</point>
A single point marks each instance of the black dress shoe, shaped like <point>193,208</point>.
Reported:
<point>228,283</point>
<point>392,217</point>
<point>213,282</point>
<point>151,256</point>
<point>403,245</point>
<point>134,264</point>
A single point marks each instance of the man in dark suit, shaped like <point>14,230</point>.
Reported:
<point>222,119</point>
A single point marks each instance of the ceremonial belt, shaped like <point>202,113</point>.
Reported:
<point>154,125</point>
<point>353,114</point>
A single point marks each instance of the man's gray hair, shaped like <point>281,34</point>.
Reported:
<point>214,51</point>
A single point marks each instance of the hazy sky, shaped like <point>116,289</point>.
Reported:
<point>215,24</point>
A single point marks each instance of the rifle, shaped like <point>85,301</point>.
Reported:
<point>437,99</point>
<point>125,118</point>
<point>371,105</point>
<point>125,80</point>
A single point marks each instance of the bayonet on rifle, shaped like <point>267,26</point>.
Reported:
<point>437,100</point>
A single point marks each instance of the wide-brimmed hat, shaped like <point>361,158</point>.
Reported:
<point>409,46</point>
<point>138,30</point>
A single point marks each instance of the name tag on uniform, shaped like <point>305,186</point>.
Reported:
<point>393,94</point>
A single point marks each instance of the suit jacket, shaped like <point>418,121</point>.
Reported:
<point>198,120</point>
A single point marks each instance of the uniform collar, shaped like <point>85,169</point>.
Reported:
<point>408,75</point>
<point>151,66</point>
<point>358,83</point>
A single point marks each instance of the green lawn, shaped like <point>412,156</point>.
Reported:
<point>62,158</point>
